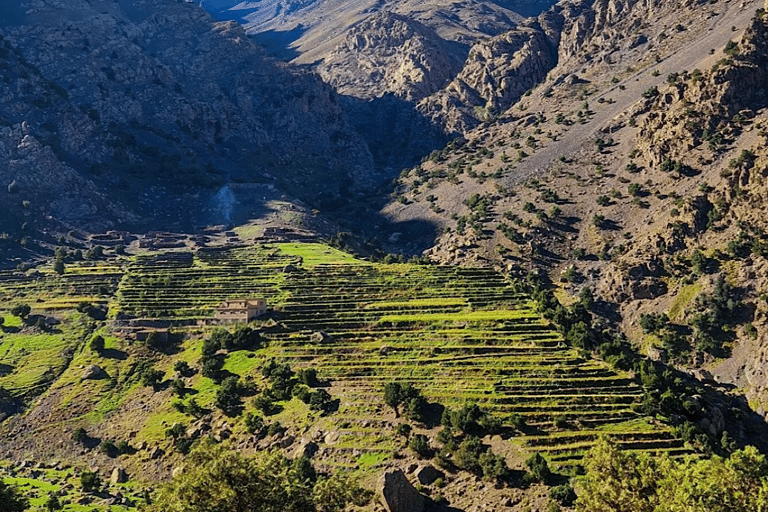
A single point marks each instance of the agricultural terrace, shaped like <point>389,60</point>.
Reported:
<point>459,334</point>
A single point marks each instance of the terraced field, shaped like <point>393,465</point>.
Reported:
<point>459,334</point>
<point>462,335</point>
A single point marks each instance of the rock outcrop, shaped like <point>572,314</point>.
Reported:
<point>391,53</point>
<point>397,494</point>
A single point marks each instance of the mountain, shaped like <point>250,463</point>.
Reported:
<point>144,110</point>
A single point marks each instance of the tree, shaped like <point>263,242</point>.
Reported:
<point>11,498</point>
<point>89,481</point>
<point>393,396</point>
<point>97,344</point>
<point>617,480</point>
<point>223,480</point>
<point>58,266</point>
<point>21,310</point>
<point>228,396</point>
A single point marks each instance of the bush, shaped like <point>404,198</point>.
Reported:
<point>182,368</point>
<point>97,344</point>
<point>254,423</point>
<point>108,448</point>
<point>80,435</point>
<point>403,429</point>
<point>468,453</point>
<point>89,481</point>
<point>538,467</point>
<point>493,466</point>
<point>563,494</point>
<point>151,377</point>
<point>420,445</point>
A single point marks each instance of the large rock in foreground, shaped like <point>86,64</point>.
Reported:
<point>397,494</point>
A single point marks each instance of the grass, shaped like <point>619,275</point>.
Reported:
<point>682,299</point>
<point>473,316</point>
<point>313,255</point>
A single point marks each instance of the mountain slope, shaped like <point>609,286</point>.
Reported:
<point>635,158</point>
<point>157,97</point>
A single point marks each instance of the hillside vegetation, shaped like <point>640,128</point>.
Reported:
<point>311,377</point>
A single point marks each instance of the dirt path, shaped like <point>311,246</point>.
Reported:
<point>695,55</point>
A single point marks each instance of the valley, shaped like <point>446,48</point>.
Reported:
<point>506,248</point>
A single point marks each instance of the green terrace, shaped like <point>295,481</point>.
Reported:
<point>459,334</point>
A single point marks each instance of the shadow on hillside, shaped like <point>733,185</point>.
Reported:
<point>111,353</point>
<point>398,136</point>
<point>6,369</point>
<point>278,44</point>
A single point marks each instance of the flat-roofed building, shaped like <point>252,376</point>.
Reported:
<point>240,310</point>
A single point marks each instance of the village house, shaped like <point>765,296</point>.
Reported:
<point>240,310</point>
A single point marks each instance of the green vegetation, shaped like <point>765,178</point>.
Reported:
<point>620,480</point>
<point>220,479</point>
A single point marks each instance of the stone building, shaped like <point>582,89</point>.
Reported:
<point>240,310</point>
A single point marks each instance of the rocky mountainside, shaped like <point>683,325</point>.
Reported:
<point>633,171</point>
<point>142,110</point>
<point>306,31</point>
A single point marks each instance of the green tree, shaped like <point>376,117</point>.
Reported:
<point>11,498</point>
<point>617,480</point>
<point>228,396</point>
<point>97,344</point>
<point>58,266</point>
<point>217,479</point>
<point>21,310</point>
<point>393,396</point>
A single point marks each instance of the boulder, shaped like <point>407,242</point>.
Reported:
<point>426,475</point>
<point>397,494</point>
<point>156,453</point>
<point>320,337</point>
<point>306,449</point>
<point>119,476</point>
<point>93,372</point>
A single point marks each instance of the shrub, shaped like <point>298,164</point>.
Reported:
<point>538,467</point>
<point>254,423</point>
<point>151,377</point>
<point>403,429</point>
<point>182,368</point>
<point>89,481</point>
<point>563,494</point>
<point>108,448</point>
<point>420,445</point>
<point>97,344</point>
